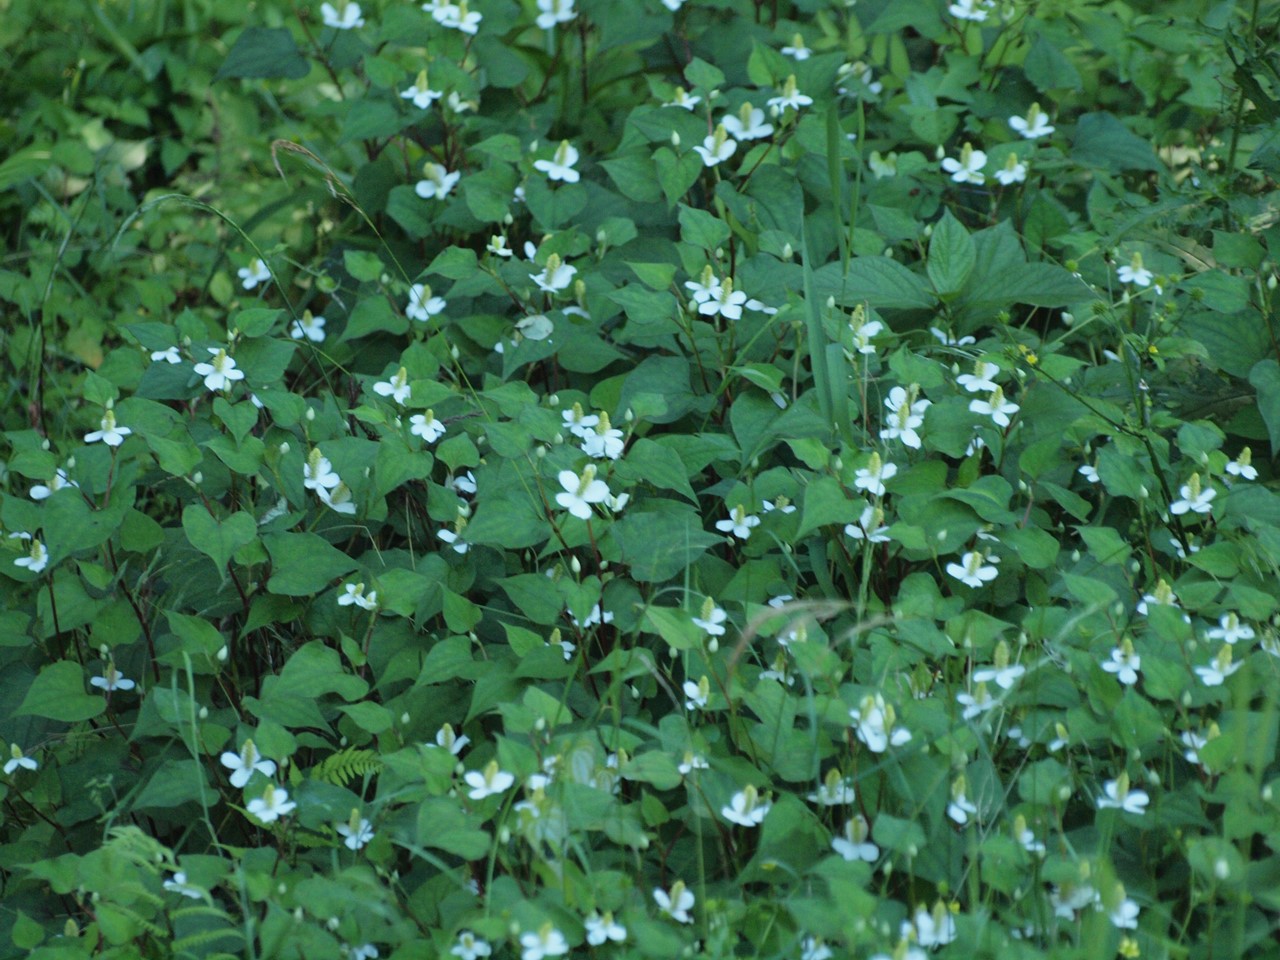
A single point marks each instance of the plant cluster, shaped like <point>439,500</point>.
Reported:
<point>641,479</point>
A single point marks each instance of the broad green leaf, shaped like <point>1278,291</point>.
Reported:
<point>58,693</point>
<point>264,52</point>
<point>951,256</point>
<point>217,539</point>
<point>303,563</point>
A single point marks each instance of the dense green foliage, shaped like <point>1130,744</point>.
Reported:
<point>638,478</point>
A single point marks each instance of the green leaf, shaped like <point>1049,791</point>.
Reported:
<point>23,165</point>
<point>1049,69</point>
<point>702,228</point>
<point>951,256</point>
<point>826,504</point>
<point>414,215</point>
<point>217,539</point>
<point>1265,377</point>
<point>1103,141</point>
<point>660,542</point>
<point>303,564</point>
<point>264,52</point>
<point>879,282</point>
<point>58,693</point>
<point>174,783</point>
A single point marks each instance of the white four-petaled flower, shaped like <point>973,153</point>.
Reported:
<point>580,492</point>
<point>272,805</point>
<point>357,832</point>
<point>745,808</point>
<point>437,181</point>
<point>907,416</point>
<point>345,16</point>
<point>739,524</point>
<point>974,569</point>
<point>1195,498</point>
<point>421,93</point>
<point>254,274</point>
<point>553,12</point>
<point>221,373</point>
<point>997,407</point>
<point>1034,125</point>
<point>675,903</point>
<point>426,426</point>
<point>111,433</point>
<point>310,326</point>
<point>488,782</point>
<point>243,764</point>
<point>717,147</point>
<point>875,723</point>
<point>37,557</point>
<point>603,928</point>
<point>17,759</point>
<point>1134,272</point>
<point>560,166</point>
<point>397,388</point>
<point>353,594</point>
<point>1118,795</point>
<point>968,169</point>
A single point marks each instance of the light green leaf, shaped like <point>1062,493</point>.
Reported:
<point>58,693</point>
<point>217,539</point>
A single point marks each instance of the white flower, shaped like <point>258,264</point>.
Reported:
<point>272,805</point>
<point>1134,272</point>
<point>309,326</point>
<point>421,93</point>
<point>605,442</point>
<point>178,884</point>
<point>975,10</point>
<point>855,844</point>
<point>110,434</point>
<point>338,499</point>
<point>1118,795</point>
<point>353,593</point>
<point>560,166</point>
<point>553,12</point>
<point>220,374</point>
<point>254,274</point>
<point>1216,673</point>
<point>317,472</point>
<point>1034,125</point>
<point>1002,672</point>
<point>366,952</point>
<point>1013,171</point>
<point>796,50</point>
<point>1124,663</point>
<point>1230,630</point>
<point>597,616</point>
<point>961,808</point>
<point>907,416</point>
<point>997,408</point>
<point>863,334</point>
<point>724,301</point>
<point>698,693</point>
<point>168,355</point>
<point>790,98</point>
<point>464,483</point>
<point>1241,467</point>
<point>397,388</point>
<point>111,679</point>
<point>457,16</point>
<point>1066,902</point>
<point>454,537</point>
<point>36,559</point>
<point>973,570</point>
<point>677,903</point>
<point>345,17</point>
<point>739,524</point>
<point>556,276</point>
<point>947,339</point>
<point>885,166</point>
<point>358,832</point>
<point>934,928</point>
<point>977,703</point>
<point>692,762</point>
<point>426,426</point>
<point>870,526</point>
<point>601,929</point>
<point>685,101</point>
<point>488,782</point>
<point>968,169</point>
<point>781,504</point>
<point>746,809</point>
<point>1161,596</point>
<point>712,618</point>
<point>18,759</point>
<point>437,182</point>
<point>546,942</point>
<point>580,492</point>
<point>871,477</point>
<point>834,791</point>
<point>1195,498</point>
<point>1089,472</point>
<point>422,305</point>
<point>447,739</point>
<point>869,86</point>
<point>470,947</point>
<point>1125,915</point>
<point>980,381</point>
<point>874,722</point>
<point>747,124</point>
<point>578,423</point>
<point>497,245</point>
<point>717,147</point>
<point>243,764</point>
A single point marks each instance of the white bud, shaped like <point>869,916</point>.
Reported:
<point>1221,868</point>
<point>1143,492</point>
<point>333,923</point>
<point>204,713</point>
<point>540,724</point>
<point>1022,486</point>
<point>575,565</point>
<point>504,835</point>
<point>939,153</point>
<point>1064,793</point>
<point>197,478</point>
<point>675,139</point>
<point>1271,282</point>
<point>297,914</point>
<point>454,352</point>
<point>553,400</point>
<point>405,718</point>
<point>222,654</point>
<point>1075,556</point>
<point>787,252</point>
<point>831,303</point>
<point>284,448</point>
<point>713,644</point>
<point>44,444</point>
<point>1068,318</point>
<point>928,230</point>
